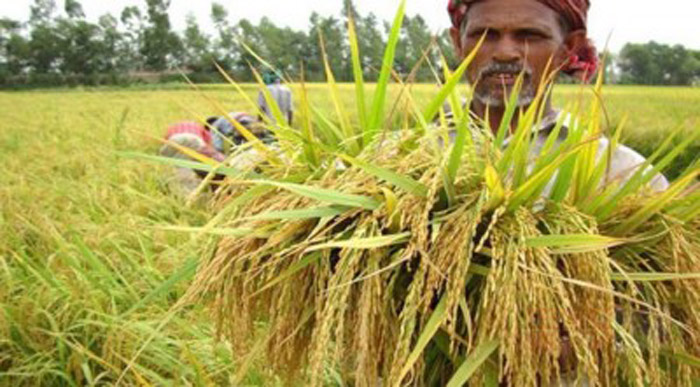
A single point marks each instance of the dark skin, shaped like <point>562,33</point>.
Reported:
<point>522,33</point>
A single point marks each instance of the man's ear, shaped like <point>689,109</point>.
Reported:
<point>456,36</point>
<point>575,41</point>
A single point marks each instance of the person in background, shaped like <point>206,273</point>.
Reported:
<point>191,135</point>
<point>197,138</point>
<point>223,129</point>
<point>280,93</point>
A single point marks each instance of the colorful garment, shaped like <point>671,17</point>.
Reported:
<point>223,128</point>
<point>190,135</point>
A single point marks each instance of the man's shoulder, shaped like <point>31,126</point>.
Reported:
<point>625,162</point>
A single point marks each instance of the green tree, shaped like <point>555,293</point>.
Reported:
<point>80,47</point>
<point>161,47</point>
<point>74,9</point>
<point>114,46</point>
<point>42,12</point>
<point>134,23</point>
<point>13,49</point>
<point>43,48</point>
<point>281,46</point>
<point>371,44</point>
<point>335,43</point>
<point>416,40</point>
<point>224,47</point>
<point>658,64</point>
<point>197,51</point>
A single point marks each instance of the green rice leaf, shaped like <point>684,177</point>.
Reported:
<point>429,331</point>
<point>682,357</point>
<point>453,99</point>
<point>185,273</point>
<point>307,131</point>
<point>293,269</point>
<point>511,106</point>
<point>574,243</point>
<point>475,360</point>
<point>377,114</point>
<point>271,102</point>
<point>656,204</point>
<point>437,102</point>
<point>463,139</point>
<point>325,195</point>
<point>491,374</point>
<point>357,72</point>
<point>347,129</point>
<point>404,182</point>
<point>493,182</point>
<point>531,189</point>
<point>365,243</point>
<point>646,172</point>
<point>227,171</point>
<point>306,213</point>
<point>328,130</point>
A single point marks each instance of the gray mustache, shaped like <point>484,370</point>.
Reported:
<point>504,68</point>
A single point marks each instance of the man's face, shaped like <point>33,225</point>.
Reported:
<point>521,37</point>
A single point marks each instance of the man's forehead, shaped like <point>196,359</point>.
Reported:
<point>498,14</point>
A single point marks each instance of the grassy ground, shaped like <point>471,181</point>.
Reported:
<point>86,277</point>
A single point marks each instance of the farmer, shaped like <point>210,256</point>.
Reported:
<point>193,136</point>
<point>182,141</point>
<point>280,94</point>
<point>522,36</point>
<point>225,134</point>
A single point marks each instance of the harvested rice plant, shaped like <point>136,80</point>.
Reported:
<point>403,249</point>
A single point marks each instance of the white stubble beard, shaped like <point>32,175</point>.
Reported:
<point>527,95</point>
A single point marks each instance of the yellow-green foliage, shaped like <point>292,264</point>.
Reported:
<point>86,280</point>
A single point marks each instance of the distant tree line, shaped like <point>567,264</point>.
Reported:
<point>658,64</point>
<point>60,47</point>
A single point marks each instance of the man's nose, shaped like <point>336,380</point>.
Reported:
<point>508,50</point>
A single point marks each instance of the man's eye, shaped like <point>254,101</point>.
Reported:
<point>531,35</point>
<point>477,34</point>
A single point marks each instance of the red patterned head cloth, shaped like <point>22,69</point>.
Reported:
<point>584,62</point>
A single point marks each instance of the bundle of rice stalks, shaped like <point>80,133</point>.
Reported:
<point>399,252</point>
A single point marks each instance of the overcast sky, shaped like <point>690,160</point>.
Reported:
<point>669,21</point>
